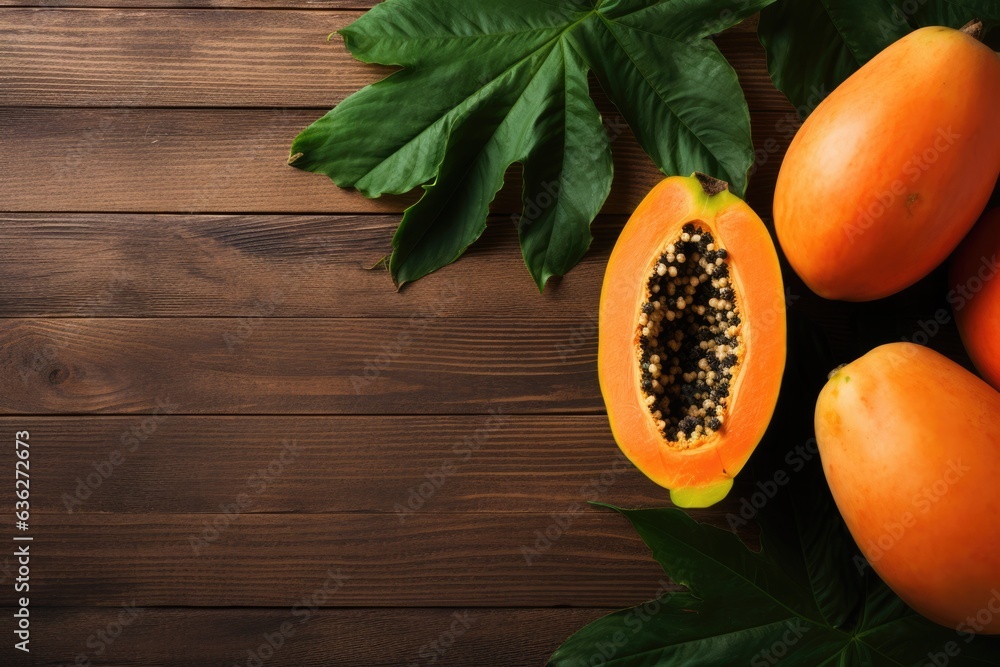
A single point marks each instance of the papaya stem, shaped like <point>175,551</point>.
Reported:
<point>973,28</point>
<point>711,186</point>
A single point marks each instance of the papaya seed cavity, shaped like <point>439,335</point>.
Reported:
<point>689,338</point>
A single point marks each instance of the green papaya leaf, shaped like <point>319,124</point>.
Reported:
<point>487,84</point>
<point>799,600</point>
<point>814,45</point>
<point>809,518</point>
<point>984,10</point>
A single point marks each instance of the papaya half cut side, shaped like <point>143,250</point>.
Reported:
<point>691,337</point>
<point>975,295</point>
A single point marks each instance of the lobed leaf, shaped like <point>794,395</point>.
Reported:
<point>800,599</point>
<point>486,85</point>
<point>814,45</point>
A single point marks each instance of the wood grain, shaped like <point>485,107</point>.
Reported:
<point>137,58</point>
<point>124,265</point>
<point>392,465</point>
<point>232,160</point>
<point>457,637</point>
<point>82,265</point>
<point>296,366</point>
<point>451,560</point>
<point>114,115</point>
<point>749,25</point>
<point>197,4</point>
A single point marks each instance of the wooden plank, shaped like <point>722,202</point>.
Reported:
<point>138,265</point>
<point>305,266</point>
<point>297,366</point>
<point>393,465</point>
<point>177,57</point>
<point>343,637</point>
<point>81,265</point>
<point>223,58</point>
<point>454,560</point>
<point>281,266</point>
<point>231,160</point>
<point>750,25</point>
<point>196,4</point>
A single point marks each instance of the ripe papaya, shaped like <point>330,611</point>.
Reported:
<point>975,295</point>
<point>910,445</point>
<point>892,169</point>
<point>691,337</point>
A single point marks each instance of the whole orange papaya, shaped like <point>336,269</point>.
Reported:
<point>892,169</point>
<point>910,444</point>
<point>975,295</point>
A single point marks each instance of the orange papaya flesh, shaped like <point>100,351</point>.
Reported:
<point>910,445</point>
<point>691,337</point>
<point>975,295</point>
<point>893,168</point>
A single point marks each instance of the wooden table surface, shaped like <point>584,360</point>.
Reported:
<point>227,412</point>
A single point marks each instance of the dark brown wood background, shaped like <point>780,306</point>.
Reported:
<point>157,251</point>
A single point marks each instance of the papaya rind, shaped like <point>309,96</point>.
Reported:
<point>755,270</point>
<point>697,497</point>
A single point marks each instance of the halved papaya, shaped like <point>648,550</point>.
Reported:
<point>893,168</point>
<point>691,337</point>
<point>975,295</point>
